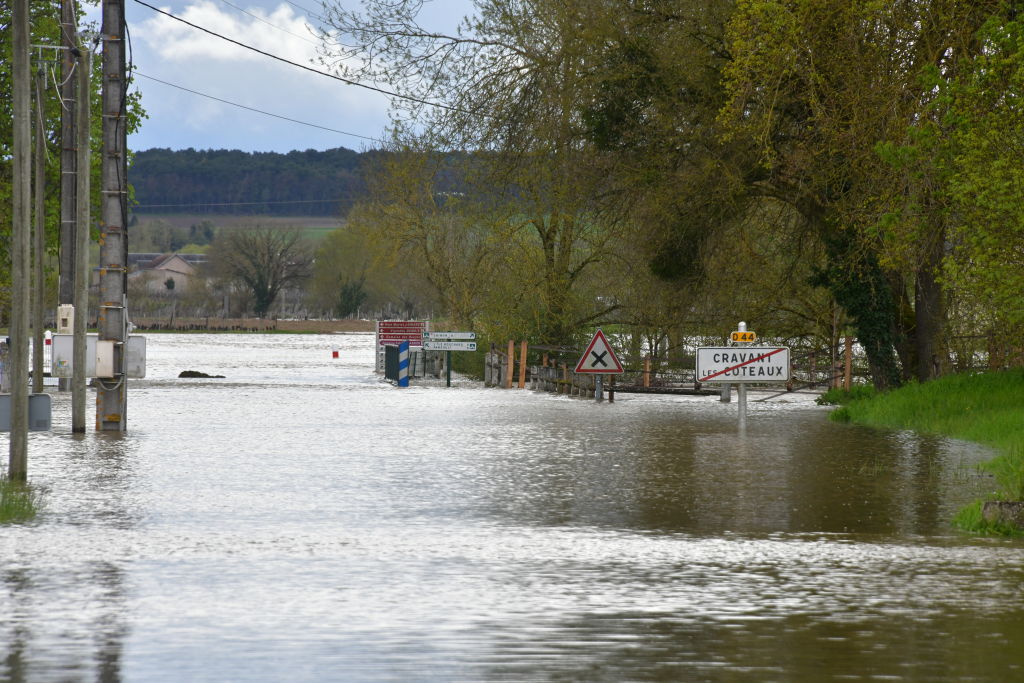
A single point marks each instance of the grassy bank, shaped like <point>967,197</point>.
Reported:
<point>18,501</point>
<point>985,408</point>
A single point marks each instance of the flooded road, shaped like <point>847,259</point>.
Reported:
<point>301,520</point>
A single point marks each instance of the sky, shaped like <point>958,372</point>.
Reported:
<point>165,51</point>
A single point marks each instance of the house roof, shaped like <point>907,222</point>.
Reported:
<point>185,263</point>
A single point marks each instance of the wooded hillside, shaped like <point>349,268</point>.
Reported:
<point>308,183</point>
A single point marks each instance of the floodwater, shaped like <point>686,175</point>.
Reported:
<point>301,520</point>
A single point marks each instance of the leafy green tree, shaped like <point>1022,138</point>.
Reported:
<point>816,87</point>
<point>45,30</point>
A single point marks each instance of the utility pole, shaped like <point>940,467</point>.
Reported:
<point>112,393</point>
<point>39,232</point>
<point>68,88</point>
<point>81,249</point>
<point>17,469</point>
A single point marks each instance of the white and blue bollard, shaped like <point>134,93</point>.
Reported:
<point>403,364</point>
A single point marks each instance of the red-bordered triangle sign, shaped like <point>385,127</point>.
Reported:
<point>599,357</point>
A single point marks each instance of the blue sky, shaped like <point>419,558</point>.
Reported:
<point>177,54</point>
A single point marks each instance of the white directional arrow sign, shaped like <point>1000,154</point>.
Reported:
<point>449,345</point>
<point>599,357</point>
<point>448,336</point>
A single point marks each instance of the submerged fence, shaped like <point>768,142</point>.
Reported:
<point>812,369</point>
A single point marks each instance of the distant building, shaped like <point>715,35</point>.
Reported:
<point>158,271</point>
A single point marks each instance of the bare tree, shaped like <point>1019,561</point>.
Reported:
<point>263,261</point>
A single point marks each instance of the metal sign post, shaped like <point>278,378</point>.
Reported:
<point>741,388</point>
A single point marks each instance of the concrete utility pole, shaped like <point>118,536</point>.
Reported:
<point>112,393</point>
<point>39,233</point>
<point>68,89</point>
<point>17,469</point>
<point>81,249</point>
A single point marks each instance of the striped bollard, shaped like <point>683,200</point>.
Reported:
<point>403,364</point>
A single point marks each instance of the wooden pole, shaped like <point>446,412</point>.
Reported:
<point>39,236</point>
<point>68,114</point>
<point>81,249</point>
<point>21,200</point>
<point>112,394</point>
<point>511,364</point>
<point>522,365</point>
<point>647,371</point>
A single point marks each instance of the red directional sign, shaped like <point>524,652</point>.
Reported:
<point>396,331</point>
<point>599,359</point>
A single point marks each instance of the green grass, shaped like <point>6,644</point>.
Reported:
<point>986,408</point>
<point>840,397</point>
<point>18,501</point>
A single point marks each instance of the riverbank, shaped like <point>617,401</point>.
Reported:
<point>986,408</point>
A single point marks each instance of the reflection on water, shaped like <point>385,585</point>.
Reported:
<point>301,520</point>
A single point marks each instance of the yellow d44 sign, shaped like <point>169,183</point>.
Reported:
<point>743,337</point>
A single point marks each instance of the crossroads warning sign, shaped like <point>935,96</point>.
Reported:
<point>599,358</point>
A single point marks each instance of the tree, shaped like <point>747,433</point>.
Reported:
<point>817,87</point>
<point>263,261</point>
<point>45,30</point>
<point>508,87</point>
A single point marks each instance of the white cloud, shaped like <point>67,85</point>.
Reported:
<point>177,53</point>
<point>280,32</point>
<point>172,51</point>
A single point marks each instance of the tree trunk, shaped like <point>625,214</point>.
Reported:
<point>929,312</point>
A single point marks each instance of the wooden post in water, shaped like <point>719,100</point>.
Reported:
<point>21,230</point>
<point>522,365</point>
<point>511,364</point>
<point>647,371</point>
<point>80,290</point>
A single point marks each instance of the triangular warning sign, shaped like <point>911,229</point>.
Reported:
<point>599,357</point>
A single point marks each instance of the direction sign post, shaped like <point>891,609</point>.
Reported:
<point>448,342</point>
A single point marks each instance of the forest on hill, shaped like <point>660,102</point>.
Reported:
<point>299,183</point>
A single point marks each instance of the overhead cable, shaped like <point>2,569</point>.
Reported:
<point>389,93</point>
<point>258,111</point>
<point>268,23</point>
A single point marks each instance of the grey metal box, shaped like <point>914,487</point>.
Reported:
<point>38,412</point>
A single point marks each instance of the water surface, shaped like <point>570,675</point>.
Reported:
<point>303,520</point>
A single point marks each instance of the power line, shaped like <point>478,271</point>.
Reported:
<point>307,11</point>
<point>271,25</point>
<point>258,111</point>
<point>389,93</point>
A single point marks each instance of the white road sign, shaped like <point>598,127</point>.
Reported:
<point>732,364</point>
<point>438,336</point>
<point>449,346</point>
